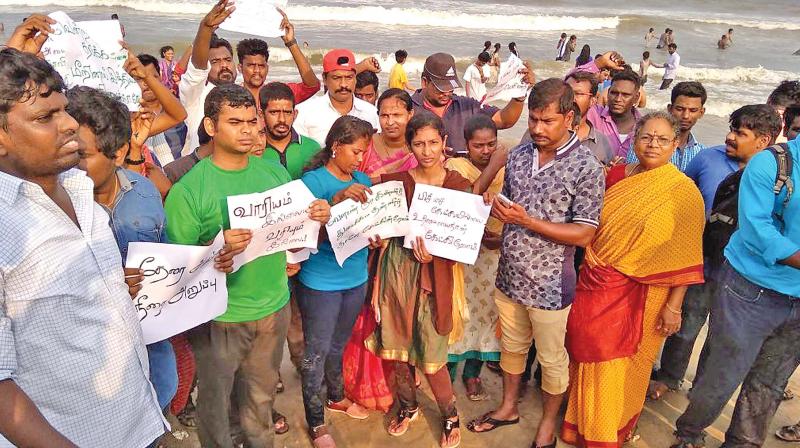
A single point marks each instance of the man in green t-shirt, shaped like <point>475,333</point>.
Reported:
<point>284,144</point>
<point>293,151</point>
<point>245,342</point>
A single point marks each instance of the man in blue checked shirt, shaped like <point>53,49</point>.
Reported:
<point>687,106</point>
<point>755,316</point>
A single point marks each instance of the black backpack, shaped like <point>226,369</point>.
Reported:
<point>724,218</point>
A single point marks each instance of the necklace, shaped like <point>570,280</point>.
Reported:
<point>114,195</point>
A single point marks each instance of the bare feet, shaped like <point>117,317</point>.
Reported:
<point>657,390</point>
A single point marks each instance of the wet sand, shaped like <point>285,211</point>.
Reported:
<point>655,426</point>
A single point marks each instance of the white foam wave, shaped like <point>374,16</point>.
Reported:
<point>760,24</point>
<point>752,75</point>
<point>369,14</point>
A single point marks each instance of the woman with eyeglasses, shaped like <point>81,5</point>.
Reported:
<point>646,252</point>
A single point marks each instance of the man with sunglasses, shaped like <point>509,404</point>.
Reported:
<point>439,81</point>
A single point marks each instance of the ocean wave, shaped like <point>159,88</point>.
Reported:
<point>760,24</point>
<point>377,15</point>
<point>752,75</point>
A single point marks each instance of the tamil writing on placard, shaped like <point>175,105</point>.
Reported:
<point>352,223</point>
<point>451,222</point>
<point>257,17</point>
<point>90,54</point>
<point>279,220</point>
<point>181,287</point>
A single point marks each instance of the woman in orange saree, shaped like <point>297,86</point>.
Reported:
<point>646,252</point>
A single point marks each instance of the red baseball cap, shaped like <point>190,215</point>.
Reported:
<point>338,59</point>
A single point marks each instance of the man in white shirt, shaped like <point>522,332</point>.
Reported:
<point>316,116</point>
<point>475,77</point>
<point>670,67</point>
<point>73,364</point>
<point>211,64</point>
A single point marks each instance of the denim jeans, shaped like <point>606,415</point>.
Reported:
<point>678,347</point>
<point>752,341</point>
<point>163,371</point>
<point>328,319</point>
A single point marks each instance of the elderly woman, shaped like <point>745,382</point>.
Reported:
<point>646,252</point>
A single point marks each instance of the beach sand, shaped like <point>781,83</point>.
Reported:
<point>655,426</point>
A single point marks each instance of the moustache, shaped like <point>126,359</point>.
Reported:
<point>731,144</point>
<point>344,90</point>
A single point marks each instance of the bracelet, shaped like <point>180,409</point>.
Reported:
<point>134,162</point>
<point>674,311</point>
<point>290,43</point>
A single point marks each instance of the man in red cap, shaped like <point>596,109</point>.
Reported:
<point>439,80</point>
<point>316,116</point>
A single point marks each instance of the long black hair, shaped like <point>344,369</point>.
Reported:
<point>584,57</point>
<point>345,130</point>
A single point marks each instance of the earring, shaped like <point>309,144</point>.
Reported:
<point>333,155</point>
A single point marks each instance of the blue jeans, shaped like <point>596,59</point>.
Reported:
<point>678,347</point>
<point>163,371</point>
<point>175,137</point>
<point>752,341</point>
<point>328,319</point>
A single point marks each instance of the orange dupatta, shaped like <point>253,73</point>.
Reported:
<point>650,233</point>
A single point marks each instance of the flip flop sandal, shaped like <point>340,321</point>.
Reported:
<point>492,421</point>
<point>789,433</point>
<point>321,438</point>
<point>403,414</point>
<point>787,395</point>
<point>475,390</point>
<point>447,429</point>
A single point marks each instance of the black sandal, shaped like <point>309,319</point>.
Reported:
<point>447,428</point>
<point>492,421</point>
<point>403,414</point>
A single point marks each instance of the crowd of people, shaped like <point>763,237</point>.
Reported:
<point>612,234</point>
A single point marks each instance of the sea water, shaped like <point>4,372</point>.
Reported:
<point>766,34</point>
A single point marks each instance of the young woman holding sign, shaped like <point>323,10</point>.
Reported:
<point>330,296</point>
<point>413,293</point>
<point>479,342</point>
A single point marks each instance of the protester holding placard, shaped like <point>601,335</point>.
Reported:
<point>329,295</point>
<point>388,151</point>
<point>73,364</point>
<point>552,196</point>
<point>132,202</point>
<point>479,342</point>
<point>246,341</point>
<point>413,290</point>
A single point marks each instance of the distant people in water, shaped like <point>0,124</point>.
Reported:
<point>644,65</point>
<point>584,57</point>
<point>649,37</point>
<point>121,26</point>
<point>666,38</point>
<point>723,42</point>
<point>512,48</point>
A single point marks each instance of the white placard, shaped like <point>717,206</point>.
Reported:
<point>256,17</point>
<point>181,287</point>
<point>510,83</point>
<point>299,256</point>
<point>451,222</point>
<point>279,220</point>
<point>89,54</point>
<point>353,223</point>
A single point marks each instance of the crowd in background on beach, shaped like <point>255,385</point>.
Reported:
<point>614,235</point>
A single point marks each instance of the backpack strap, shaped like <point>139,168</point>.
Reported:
<point>783,177</point>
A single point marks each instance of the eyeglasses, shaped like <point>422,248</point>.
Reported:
<point>660,141</point>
